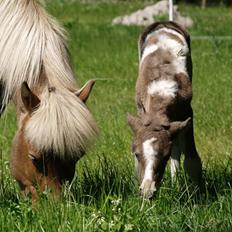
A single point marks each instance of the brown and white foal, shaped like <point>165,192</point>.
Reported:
<point>164,126</point>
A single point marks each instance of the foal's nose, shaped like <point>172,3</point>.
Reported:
<point>148,195</point>
<point>147,189</point>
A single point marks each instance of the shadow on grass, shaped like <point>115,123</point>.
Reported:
<point>7,195</point>
<point>8,192</point>
<point>110,178</point>
<point>216,182</point>
<point>107,179</point>
<point>218,179</point>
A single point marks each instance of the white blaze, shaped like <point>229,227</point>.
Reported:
<point>149,155</point>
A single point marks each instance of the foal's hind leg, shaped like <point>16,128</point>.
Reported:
<point>192,162</point>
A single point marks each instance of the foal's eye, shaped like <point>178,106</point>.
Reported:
<point>137,155</point>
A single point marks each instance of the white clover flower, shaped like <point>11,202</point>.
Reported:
<point>111,224</point>
<point>116,202</point>
<point>129,227</point>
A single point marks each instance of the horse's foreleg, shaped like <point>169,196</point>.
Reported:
<point>29,189</point>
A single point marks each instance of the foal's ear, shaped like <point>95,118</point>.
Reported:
<point>30,100</point>
<point>178,126</point>
<point>84,92</point>
<point>134,123</point>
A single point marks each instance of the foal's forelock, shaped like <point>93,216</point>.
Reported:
<point>61,124</point>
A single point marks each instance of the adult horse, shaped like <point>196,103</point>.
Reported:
<point>54,126</point>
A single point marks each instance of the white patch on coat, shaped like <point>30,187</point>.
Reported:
<point>167,30</point>
<point>167,88</point>
<point>149,156</point>
<point>165,42</point>
<point>147,51</point>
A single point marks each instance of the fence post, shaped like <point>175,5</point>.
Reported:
<point>203,3</point>
<point>171,10</point>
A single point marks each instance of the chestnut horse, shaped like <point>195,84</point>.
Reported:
<point>55,128</point>
<point>164,125</point>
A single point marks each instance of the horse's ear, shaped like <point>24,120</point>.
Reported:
<point>84,92</point>
<point>30,100</point>
<point>134,123</point>
<point>178,126</point>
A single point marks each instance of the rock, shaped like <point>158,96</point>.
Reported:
<point>147,16</point>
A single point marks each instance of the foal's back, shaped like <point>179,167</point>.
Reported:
<point>165,67</point>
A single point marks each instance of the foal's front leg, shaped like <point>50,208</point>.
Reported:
<point>192,162</point>
<point>175,159</point>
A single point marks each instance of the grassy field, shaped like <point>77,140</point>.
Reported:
<point>104,194</point>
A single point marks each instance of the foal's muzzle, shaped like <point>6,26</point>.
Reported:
<point>148,189</point>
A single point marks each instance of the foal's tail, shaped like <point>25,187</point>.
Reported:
<point>31,43</point>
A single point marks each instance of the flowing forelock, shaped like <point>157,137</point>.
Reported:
<point>62,124</point>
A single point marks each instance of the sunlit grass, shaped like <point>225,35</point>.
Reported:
<point>104,194</point>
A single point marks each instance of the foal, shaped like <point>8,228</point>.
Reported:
<point>164,126</point>
<point>55,128</point>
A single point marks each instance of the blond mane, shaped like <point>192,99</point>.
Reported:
<point>32,44</point>
<point>31,40</point>
<point>62,124</point>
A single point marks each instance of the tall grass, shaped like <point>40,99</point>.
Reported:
<point>104,194</point>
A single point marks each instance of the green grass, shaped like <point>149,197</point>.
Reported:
<point>104,194</point>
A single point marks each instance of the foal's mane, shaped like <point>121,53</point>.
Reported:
<point>33,44</point>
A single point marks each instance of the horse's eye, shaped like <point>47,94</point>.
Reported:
<point>31,156</point>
